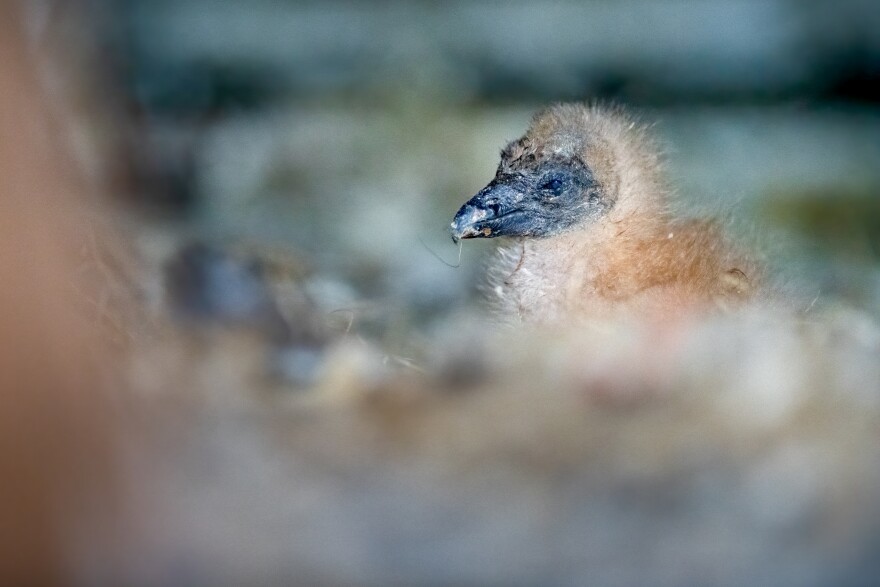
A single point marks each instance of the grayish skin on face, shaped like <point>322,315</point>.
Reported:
<point>540,198</point>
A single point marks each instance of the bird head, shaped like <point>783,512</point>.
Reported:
<point>564,174</point>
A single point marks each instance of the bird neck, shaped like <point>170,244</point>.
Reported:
<point>545,280</point>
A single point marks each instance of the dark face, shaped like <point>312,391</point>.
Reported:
<point>537,199</point>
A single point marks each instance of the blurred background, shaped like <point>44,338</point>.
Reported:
<point>287,170</point>
<point>348,133</point>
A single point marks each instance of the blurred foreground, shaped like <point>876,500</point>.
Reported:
<point>226,399</point>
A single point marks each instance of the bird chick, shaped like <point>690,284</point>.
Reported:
<point>583,200</point>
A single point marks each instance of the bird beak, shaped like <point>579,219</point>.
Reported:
<point>467,222</point>
<point>492,212</point>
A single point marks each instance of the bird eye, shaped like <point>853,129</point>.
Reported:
<point>554,185</point>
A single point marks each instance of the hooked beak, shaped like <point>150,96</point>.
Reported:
<point>492,212</point>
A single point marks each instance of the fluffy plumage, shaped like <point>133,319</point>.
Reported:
<point>583,198</point>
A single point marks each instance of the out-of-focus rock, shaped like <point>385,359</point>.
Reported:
<point>737,448</point>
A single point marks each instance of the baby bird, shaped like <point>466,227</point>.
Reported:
<point>583,199</point>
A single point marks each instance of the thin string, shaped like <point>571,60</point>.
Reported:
<point>439,258</point>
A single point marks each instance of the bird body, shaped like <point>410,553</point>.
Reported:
<point>583,199</point>
<point>682,269</point>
